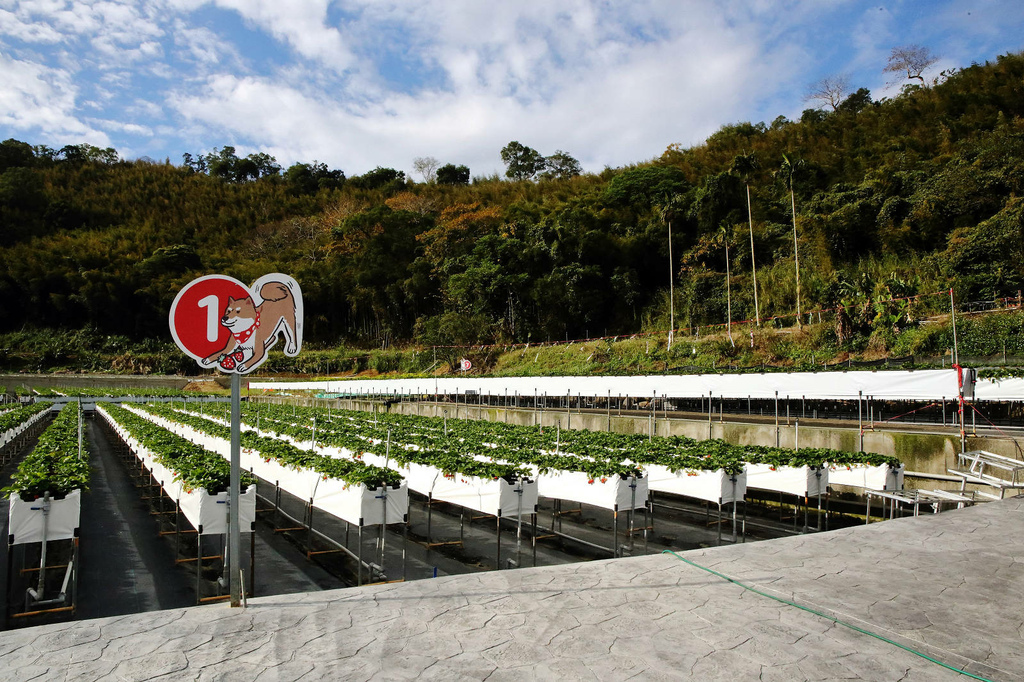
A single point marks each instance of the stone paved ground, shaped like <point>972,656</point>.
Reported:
<point>951,586</point>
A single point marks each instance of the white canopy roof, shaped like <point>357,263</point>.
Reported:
<point>887,385</point>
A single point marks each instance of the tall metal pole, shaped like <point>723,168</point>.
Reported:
<point>753,266</point>
<point>777,442</point>
<point>796,251</point>
<point>234,525</point>
<point>860,420</point>
<point>671,291</point>
<point>952,314</point>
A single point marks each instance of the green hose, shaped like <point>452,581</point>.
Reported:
<point>823,615</point>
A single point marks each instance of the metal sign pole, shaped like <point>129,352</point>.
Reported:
<point>234,525</point>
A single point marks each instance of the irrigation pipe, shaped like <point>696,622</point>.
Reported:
<point>826,616</point>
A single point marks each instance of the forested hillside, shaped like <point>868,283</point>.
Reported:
<point>910,195</point>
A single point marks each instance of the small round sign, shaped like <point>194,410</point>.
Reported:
<point>196,313</point>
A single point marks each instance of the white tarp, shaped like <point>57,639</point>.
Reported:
<point>931,384</point>
<point>614,492</point>
<point>799,481</point>
<point>209,513</point>
<point>485,495</point>
<point>27,519</point>
<point>358,504</point>
<point>713,486</point>
<point>881,477</point>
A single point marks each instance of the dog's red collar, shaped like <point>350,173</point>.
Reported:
<point>243,336</point>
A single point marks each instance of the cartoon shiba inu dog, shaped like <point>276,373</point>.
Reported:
<point>254,328</point>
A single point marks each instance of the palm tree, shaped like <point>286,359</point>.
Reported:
<point>745,165</point>
<point>786,170</point>
<point>723,236</point>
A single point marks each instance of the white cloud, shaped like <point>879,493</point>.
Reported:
<point>302,25</point>
<point>610,83</point>
<point>203,46</point>
<point>35,98</point>
<point>608,103</point>
<point>123,127</point>
<point>27,31</point>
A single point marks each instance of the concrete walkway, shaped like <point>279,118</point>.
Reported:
<point>950,586</point>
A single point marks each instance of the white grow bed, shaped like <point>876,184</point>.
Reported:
<point>803,481</point>
<point>882,477</point>
<point>614,493</point>
<point>488,496</point>
<point>713,486</point>
<point>355,504</point>
<point>208,513</point>
<point>11,434</point>
<point>26,520</point>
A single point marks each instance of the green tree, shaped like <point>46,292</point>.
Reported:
<point>856,102</point>
<point>222,163</point>
<point>450,174</point>
<point>379,178</point>
<point>560,165</point>
<point>522,162</point>
<point>310,178</point>
<point>15,154</point>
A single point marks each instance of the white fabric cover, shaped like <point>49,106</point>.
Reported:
<point>489,496</point>
<point>360,505</point>
<point>210,512</point>
<point>614,493</point>
<point>800,481</point>
<point>928,384</point>
<point>713,486</point>
<point>881,477</point>
<point>26,519</point>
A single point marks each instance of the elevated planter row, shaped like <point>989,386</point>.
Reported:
<point>805,481</point>
<point>884,477</point>
<point>207,512</point>
<point>42,519</point>
<point>356,504</point>
<point>23,419</point>
<point>496,497</point>
<point>716,486</point>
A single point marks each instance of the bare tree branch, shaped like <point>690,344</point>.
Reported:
<point>911,60</point>
<point>829,91</point>
<point>426,166</point>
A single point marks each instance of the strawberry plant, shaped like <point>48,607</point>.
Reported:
<point>53,465</point>
<point>12,419</point>
<point>195,466</point>
<point>597,454</point>
<point>349,471</point>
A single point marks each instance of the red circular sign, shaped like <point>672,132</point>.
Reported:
<point>196,312</point>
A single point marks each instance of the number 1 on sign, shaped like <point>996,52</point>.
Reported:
<point>212,305</point>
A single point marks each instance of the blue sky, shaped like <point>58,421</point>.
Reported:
<point>361,83</point>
